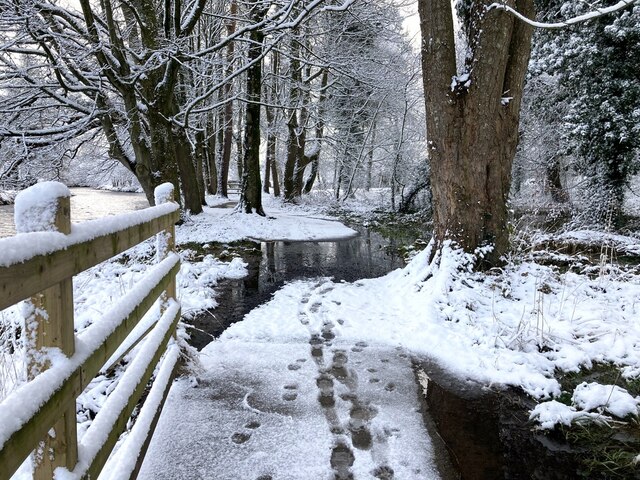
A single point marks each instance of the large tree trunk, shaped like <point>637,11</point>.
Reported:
<point>251,188</point>
<point>239,142</point>
<point>193,196</point>
<point>293,142</point>
<point>221,167</point>
<point>270,160</point>
<point>472,124</point>
<point>292,157</point>
<point>270,168</point>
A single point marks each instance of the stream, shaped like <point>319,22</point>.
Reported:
<point>272,264</point>
<point>86,204</point>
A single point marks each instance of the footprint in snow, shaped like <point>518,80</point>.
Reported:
<point>384,472</point>
<point>240,437</point>
<point>290,395</point>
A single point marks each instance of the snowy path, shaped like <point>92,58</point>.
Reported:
<point>312,407</point>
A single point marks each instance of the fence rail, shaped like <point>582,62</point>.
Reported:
<point>38,267</point>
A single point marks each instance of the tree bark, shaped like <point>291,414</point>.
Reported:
<point>210,153</point>
<point>251,188</point>
<point>274,177</point>
<point>472,125</point>
<point>270,160</point>
<point>200,163</point>
<point>223,171</point>
<point>267,175</point>
<point>293,142</point>
<point>193,196</point>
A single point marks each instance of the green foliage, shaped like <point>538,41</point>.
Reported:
<point>609,452</point>
<point>597,66</point>
<point>609,448</point>
<point>604,373</point>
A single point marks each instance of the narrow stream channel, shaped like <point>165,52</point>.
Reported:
<point>272,264</point>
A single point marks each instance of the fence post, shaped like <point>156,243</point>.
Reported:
<point>49,319</point>
<point>165,241</point>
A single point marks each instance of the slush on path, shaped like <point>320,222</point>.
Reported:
<point>309,406</point>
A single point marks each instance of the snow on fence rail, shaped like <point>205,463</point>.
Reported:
<point>38,265</point>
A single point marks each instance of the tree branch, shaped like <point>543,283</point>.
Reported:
<point>565,23</point>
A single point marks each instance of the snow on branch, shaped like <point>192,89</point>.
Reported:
<point>599,12</point>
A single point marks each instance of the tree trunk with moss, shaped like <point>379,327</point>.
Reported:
<point>472,119</point>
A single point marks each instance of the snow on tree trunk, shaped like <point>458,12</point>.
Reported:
<point>472,120</point>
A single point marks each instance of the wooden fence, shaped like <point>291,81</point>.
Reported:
<point>39,417</point>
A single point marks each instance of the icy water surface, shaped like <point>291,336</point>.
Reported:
<point>86,204</point>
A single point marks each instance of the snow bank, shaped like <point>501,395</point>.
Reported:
<point>590,401</point>
<point>605,398</point>
<point>513,328</point>
<point>551,413</point>
<point>282,223</point>
<point>592,239</point>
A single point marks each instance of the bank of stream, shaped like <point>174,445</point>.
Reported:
<point>271,264</point>
<point>484,431</point>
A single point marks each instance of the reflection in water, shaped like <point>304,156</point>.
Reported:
<point>365,256</point>
<point>349,260</point>
<point>7,228</point>
<point>86,204</point>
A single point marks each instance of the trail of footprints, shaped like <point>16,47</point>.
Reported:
<point>333,367</point>
<point>330,371</point>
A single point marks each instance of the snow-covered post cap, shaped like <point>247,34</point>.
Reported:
<point>163,193</point>
<point>43,207</point>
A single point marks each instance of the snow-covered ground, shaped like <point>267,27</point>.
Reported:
<point>96,289</point>
<point>514,327</point>
<point>222,223</point>
<point>517,326</point>
<point>294,411</point>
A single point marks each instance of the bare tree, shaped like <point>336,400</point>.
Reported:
<point>473,113</point>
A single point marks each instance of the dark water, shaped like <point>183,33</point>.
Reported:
<point>271,264</point>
